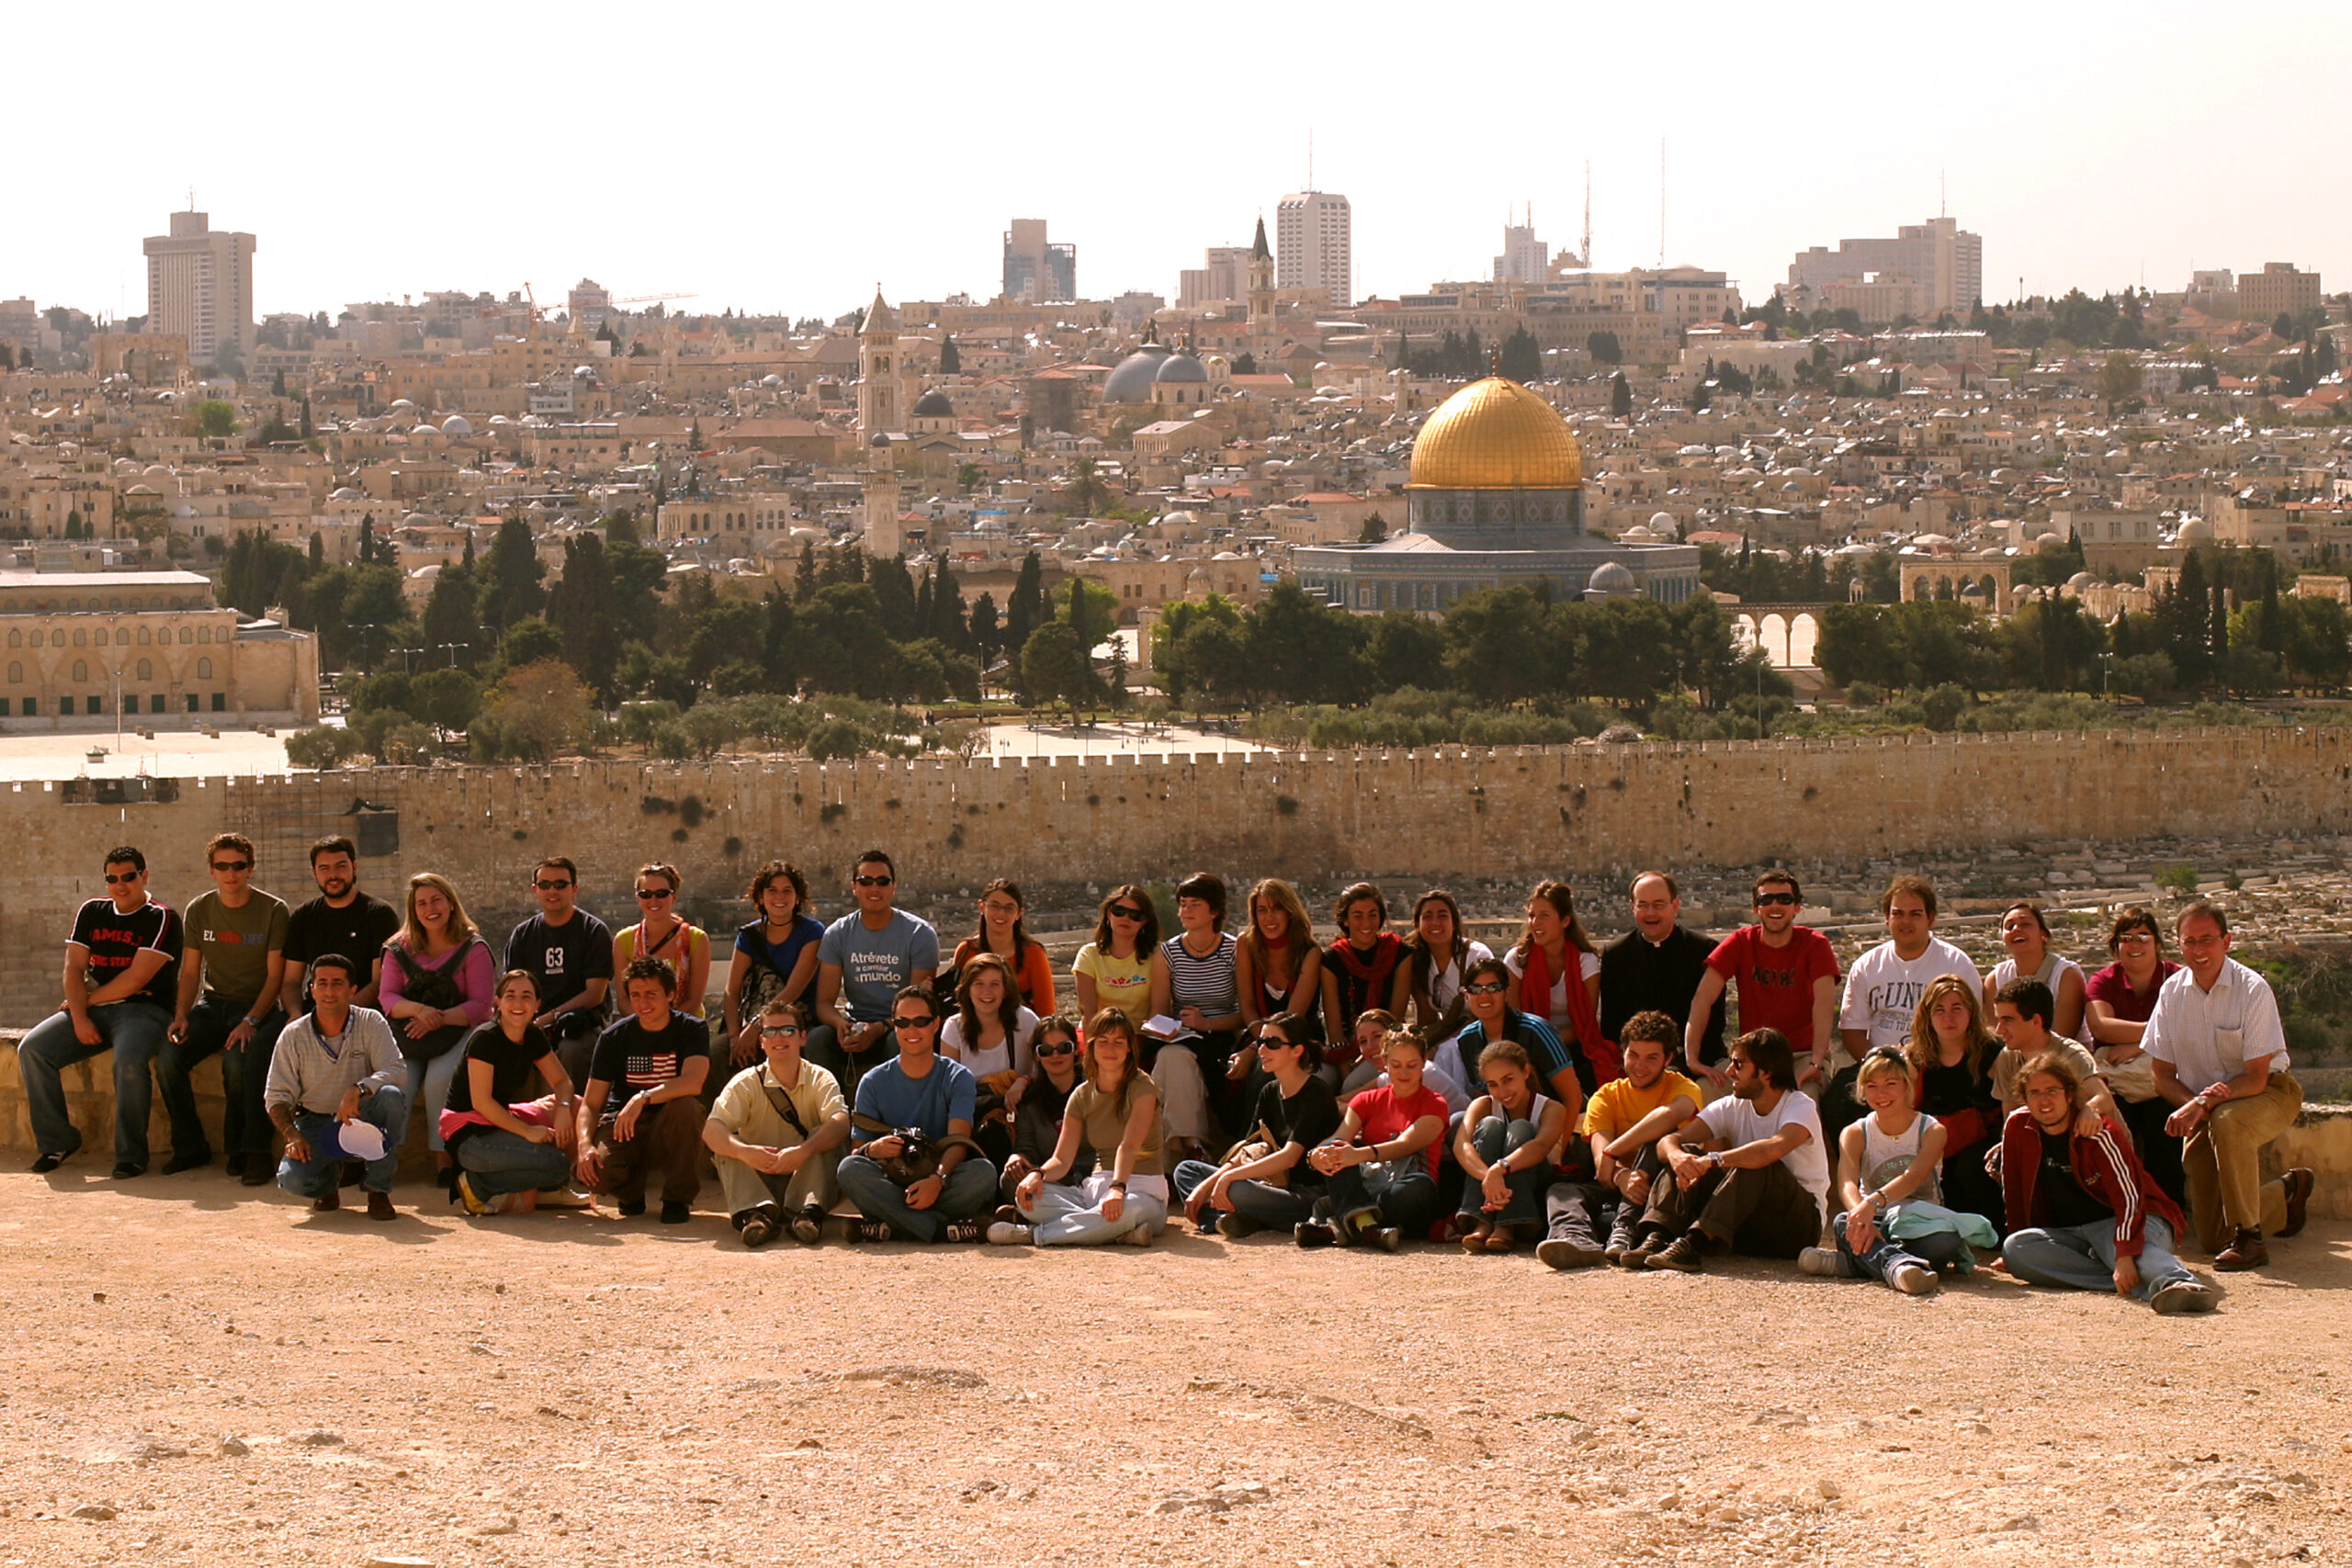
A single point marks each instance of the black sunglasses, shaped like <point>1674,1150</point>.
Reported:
<point>551,887</point>
<point>127,877</point>
<point>874,881</point>
<point>1764,898</point>
<point>1486,987</point>
<point>923,1023</point>
<point>1122,912</point>
<point>650,895</point>
<point>232,865</point>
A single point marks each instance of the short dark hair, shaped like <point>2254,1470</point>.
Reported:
<point>236,841</point>
<point>1209,888</point>
<point>1357,895</point>
<point>1770,1050</point>
<point>930,999</point>
<point>646,967</point>
<point>1767,878</point>
<point>1497,965</point>
<point>795,1006</point>
<point>875,857</point>
<point>1902,885</point>
<point>2031,998</point>
<point>333,844</point>
<point>1673,889</point>
<point>125,854</point>
<point>2135,918</point>
<point>2206,907</point>
<point>1658,1027</point>
<point>562,863</point>
<point>336,961</point>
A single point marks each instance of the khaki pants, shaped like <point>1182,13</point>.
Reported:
<point>747,1189</point>
<point>2222,1162</point>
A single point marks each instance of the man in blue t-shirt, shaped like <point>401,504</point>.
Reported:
<point>866,957</point>
<point>122,966</point>
<point>920,1090</point>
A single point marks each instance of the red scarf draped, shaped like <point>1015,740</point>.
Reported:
<point>1584,1019</point>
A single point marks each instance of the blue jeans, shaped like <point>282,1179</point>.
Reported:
<point>1495,1140</point>
<point>1278,1208</point>
<point>430,1076</point>
<point>1401,1191</point>
<point>385,1109</point>
<point>969,1189</point>
<point>497,1162</point>
<point>823,1046</point>
<point>2082,1258</point>
<point>244,1125</point>
<point>134,1031</point>
<point>1936,1250</point>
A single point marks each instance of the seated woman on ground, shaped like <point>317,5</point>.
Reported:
<point>775,957</point>
<point>1000,931</point>
<point>1117,1109</point>
<point>990,1032</point>
<point>2026,933</point>
<point>1197,983</point>
<point>1360,967</point>
<point>509,1146</point>
<point>1037,1118</point>
<point>2090,1215</point>
<point>1280,971</point>
<point>2121,997</point>
<point>1381,1165</point>
<point>1506,1145</point>
<point>1266,1179</point>
<point>1952,1053</point>
<point>1886,1179</point>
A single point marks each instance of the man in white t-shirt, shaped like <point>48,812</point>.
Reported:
<point>1883,992</point>
<point>1749,1174</point>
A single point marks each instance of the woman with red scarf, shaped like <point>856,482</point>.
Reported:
<point>1359,970</point>
<point>1558,971</point>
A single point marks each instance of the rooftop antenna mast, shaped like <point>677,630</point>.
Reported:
<point>1943,195</point>
<point>1310,157</point>
<point>1661,202</point>
<point>1588,214</point>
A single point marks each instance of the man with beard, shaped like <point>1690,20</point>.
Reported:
<point>340,920</point>
<point>1623,1123</point>
<point>1748,1172</point>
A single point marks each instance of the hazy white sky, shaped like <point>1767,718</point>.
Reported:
<point>787,157</point>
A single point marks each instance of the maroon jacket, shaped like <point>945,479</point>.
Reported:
<point>2106,1166</point>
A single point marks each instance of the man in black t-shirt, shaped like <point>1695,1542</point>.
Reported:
<point>121,983</point>
<point>656,1060</point>
<point>340,920</point>
<point>569,952</point>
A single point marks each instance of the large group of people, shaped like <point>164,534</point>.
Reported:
<point>1898,1121</point>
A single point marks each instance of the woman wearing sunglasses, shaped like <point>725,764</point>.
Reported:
<point>1117,968</point>
<point>1115,1111</point>
<point>661,932</point>
<point>1037,1117</point>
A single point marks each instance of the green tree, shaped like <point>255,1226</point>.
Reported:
<point>1620,397</point>
<point>2119,380</point>
<point>1496,645</point>
<point>510,587</point>
<point>216,418</point>
<point>1406,650</point>
<point>450,619</point>
<point>986,635</point>
<point>843,647</point>
<point>2316,638</point>
<point>579,612</point>
<point>1302,649</point>
<point>2181,625</point>
<point>1054,668</point>
<point>1198,647</point>
<point>1522,358</point>
<point>1604,349</point>
<point>1026,606</point>
<point>951,358</point>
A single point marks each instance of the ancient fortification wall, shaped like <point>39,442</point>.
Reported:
<point>1446,813</point>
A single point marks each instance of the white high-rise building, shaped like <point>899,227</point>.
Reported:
<point>1525,258</point>
<point>200,284</point>
<point>1314,246</point>
<point>1945,261</point>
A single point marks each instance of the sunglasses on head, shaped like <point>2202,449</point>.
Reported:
<point>874,881</point>
<point>1763,900</point>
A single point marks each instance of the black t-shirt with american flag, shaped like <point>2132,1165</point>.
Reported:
<point>115,939</point>
<point>631,1058</point>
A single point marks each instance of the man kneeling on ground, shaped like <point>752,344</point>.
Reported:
<point>775,1134</point>
<point>336,1066</point>
<point>1750,1173</point>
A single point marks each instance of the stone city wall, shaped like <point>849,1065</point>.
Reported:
<point>1447,813</point>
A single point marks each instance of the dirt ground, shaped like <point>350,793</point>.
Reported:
<point>196,1376</point>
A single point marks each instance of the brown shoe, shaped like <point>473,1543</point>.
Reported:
<point>2300,1183</point>
<point>2245,1251</point>
<point>1474,1239</point>
<point>1503,1238</point>
<point>328,1204</point>
<point>379,1206</point>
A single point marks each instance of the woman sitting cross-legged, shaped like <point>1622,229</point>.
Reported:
<point>1505,1147</point>
<point>1117,1110</point>
<point>1381,1167</point>
<point>2090,1215</point>
<point>1892,1225</point>
<point>1266,1179</point>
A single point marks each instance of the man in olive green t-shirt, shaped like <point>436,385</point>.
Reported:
<point>230,977</point>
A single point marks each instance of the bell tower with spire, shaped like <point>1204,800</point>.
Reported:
<point>1261,282</point>
<point>880,386</point>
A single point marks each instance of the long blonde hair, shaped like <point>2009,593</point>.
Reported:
<point>461,926</point>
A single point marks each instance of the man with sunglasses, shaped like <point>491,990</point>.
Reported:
<point>569,952</point>
<point>122,980</point>
<point>865,959</point>
<point>1787,976</point>
<point>917,1090</point>
<point>228,1003</point>
<point>775,1134</point>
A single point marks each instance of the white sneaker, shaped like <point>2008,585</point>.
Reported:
<point>1005,1233</point>
<point>1826,1261</point>
<point>1914,1279</point>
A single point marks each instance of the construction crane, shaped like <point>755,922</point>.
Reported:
<point>650,298</point>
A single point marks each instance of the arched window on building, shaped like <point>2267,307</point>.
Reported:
<point>203,670</point>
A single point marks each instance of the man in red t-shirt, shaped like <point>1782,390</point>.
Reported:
<point>1787,976</point>
<point>1382,1163</point>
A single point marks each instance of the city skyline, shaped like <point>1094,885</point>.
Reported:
<point>2154,174</point>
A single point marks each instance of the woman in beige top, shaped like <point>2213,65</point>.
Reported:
<point>1117,1110</point>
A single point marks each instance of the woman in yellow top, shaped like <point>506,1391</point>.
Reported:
<point>663,934</point>
<point>1117,969</point>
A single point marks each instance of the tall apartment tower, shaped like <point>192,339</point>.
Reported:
<point>200,284</point>
<point>1944,260</point>
<point>1035,270</point>
<point>880,386</point>
<point>1314,246</point>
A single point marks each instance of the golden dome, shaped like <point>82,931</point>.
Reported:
<point>1496,434</point>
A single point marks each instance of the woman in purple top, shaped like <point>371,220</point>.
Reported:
<point>437,984</point>
<point>2119,999</point>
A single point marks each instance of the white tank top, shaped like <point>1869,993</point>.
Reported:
<point>2052,968</point>
<point>1885,1156</point>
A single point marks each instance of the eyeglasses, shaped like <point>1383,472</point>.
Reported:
<point>651,895</point>
<point>1064,1049</point>
<point>1486,987</point>
<point>551,887</point>
<point>1121,912</point>
<point>874,881</point>
<point>1765,900</point>
<point>770,1031</point>
<point>923,1023</point>
<point>2213,941</point>
<point>232,865</point>
<point>113,881</point>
